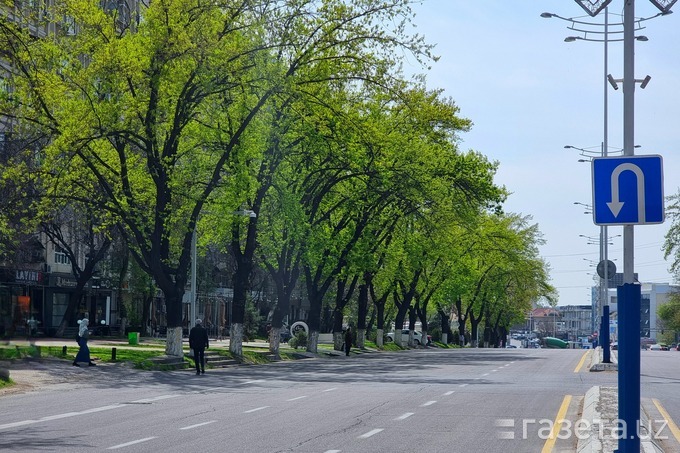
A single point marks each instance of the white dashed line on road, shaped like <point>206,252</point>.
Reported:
<point>127,444</point>
<point>450,392</point>
<point>429,403</point>
<point>370,433</point>
<point>155,398</point>
<point>255,410</point>
<point>404,416</point>
<point>331,389</point>
<point>463,385</point>
<point>297,398</point>
<point>199,424</point>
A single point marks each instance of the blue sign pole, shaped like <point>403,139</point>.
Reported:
<point>629,367</point>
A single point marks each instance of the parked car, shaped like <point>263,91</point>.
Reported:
<point>417,337</point>
<point>664,347</point>
<point>655,347</point>
<point>615,346</point>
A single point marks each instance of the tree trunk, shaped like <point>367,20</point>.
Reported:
<point>174,342</point>
<point>236,338</point>
<point>380,335</point>
<point>362,313</point>
<point>274,340</point>
<point>361,338</point>
<point>73,303</point>
<point>313,341</point>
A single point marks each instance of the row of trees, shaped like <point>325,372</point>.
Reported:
<point>295,110</point>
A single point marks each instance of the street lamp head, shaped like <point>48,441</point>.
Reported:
<point>612,82</point>
<point>571,38</point>
<point>664,5</point>
<point>642,38</point>
<point>548,15</point>
<point>644,83</point>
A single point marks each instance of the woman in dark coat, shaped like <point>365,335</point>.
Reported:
<point>348,340</point>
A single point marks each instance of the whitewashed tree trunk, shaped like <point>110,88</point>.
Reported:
<point>338,341</point>
<point>274,340</point>
<point>313,341</point>
<point>380,338</point>
<point>361,338</point>
<point>398,339</point>
<point>236,339</point>
<point>411,342</point>
<point>123,325</point>
<point>173,342</point>
<point>424,338</point>
<point>445,338</point>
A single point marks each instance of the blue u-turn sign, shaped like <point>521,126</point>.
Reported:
<point>628,190</point>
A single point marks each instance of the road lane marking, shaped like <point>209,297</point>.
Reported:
<point>429,403</point>
<point>127,444</point>
<point>493,371</point>
<point>332,451</point>
<point>331,389</point>
<point>404,416</point>
<point>550,442</point>
<point>256,381</point>
<point>255,410</point>
<point>671,424</point>
<point>370,433</point>
<point>485,374</point>
<point>450,392</point>
<point>463,385</point>
<point>60,416</point>
<point>198,424</point>
<point>155,398</point>
<point>582,361</point>
<point>297,398</point>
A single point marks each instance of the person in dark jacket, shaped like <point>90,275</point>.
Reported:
<point>348,340</point>
<point>198,341</point>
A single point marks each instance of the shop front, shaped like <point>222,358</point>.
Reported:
<point>22,302</point>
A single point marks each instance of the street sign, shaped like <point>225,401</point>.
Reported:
<point>628,190</point>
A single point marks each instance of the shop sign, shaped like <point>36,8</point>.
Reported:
<point>28,277</point>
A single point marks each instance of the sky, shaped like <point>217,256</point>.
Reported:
<point>529,93</point>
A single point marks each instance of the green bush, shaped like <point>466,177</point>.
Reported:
<point>299,340</point>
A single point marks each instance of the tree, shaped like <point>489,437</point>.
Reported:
<point>160,114</point>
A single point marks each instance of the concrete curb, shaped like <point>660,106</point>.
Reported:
<point>590,443</point>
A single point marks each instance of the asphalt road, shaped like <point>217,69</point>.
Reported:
<point>467,401</point>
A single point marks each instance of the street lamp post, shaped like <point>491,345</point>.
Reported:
<point>629,293</point>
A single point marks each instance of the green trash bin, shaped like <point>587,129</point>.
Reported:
<point>133,337</point>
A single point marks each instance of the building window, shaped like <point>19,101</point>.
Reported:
<point>60,257</point>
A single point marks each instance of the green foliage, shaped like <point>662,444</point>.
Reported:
<point>299,340</point>
<point>669,313</point>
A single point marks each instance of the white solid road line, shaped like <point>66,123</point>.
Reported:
<point>127,444</point>
<point>199,424</point>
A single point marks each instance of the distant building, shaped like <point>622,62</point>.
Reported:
<point>653,295</point>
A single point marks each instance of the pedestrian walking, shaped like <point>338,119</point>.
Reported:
<point>198,341</point>
<point>83,355</point>
<point>348,340</point>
